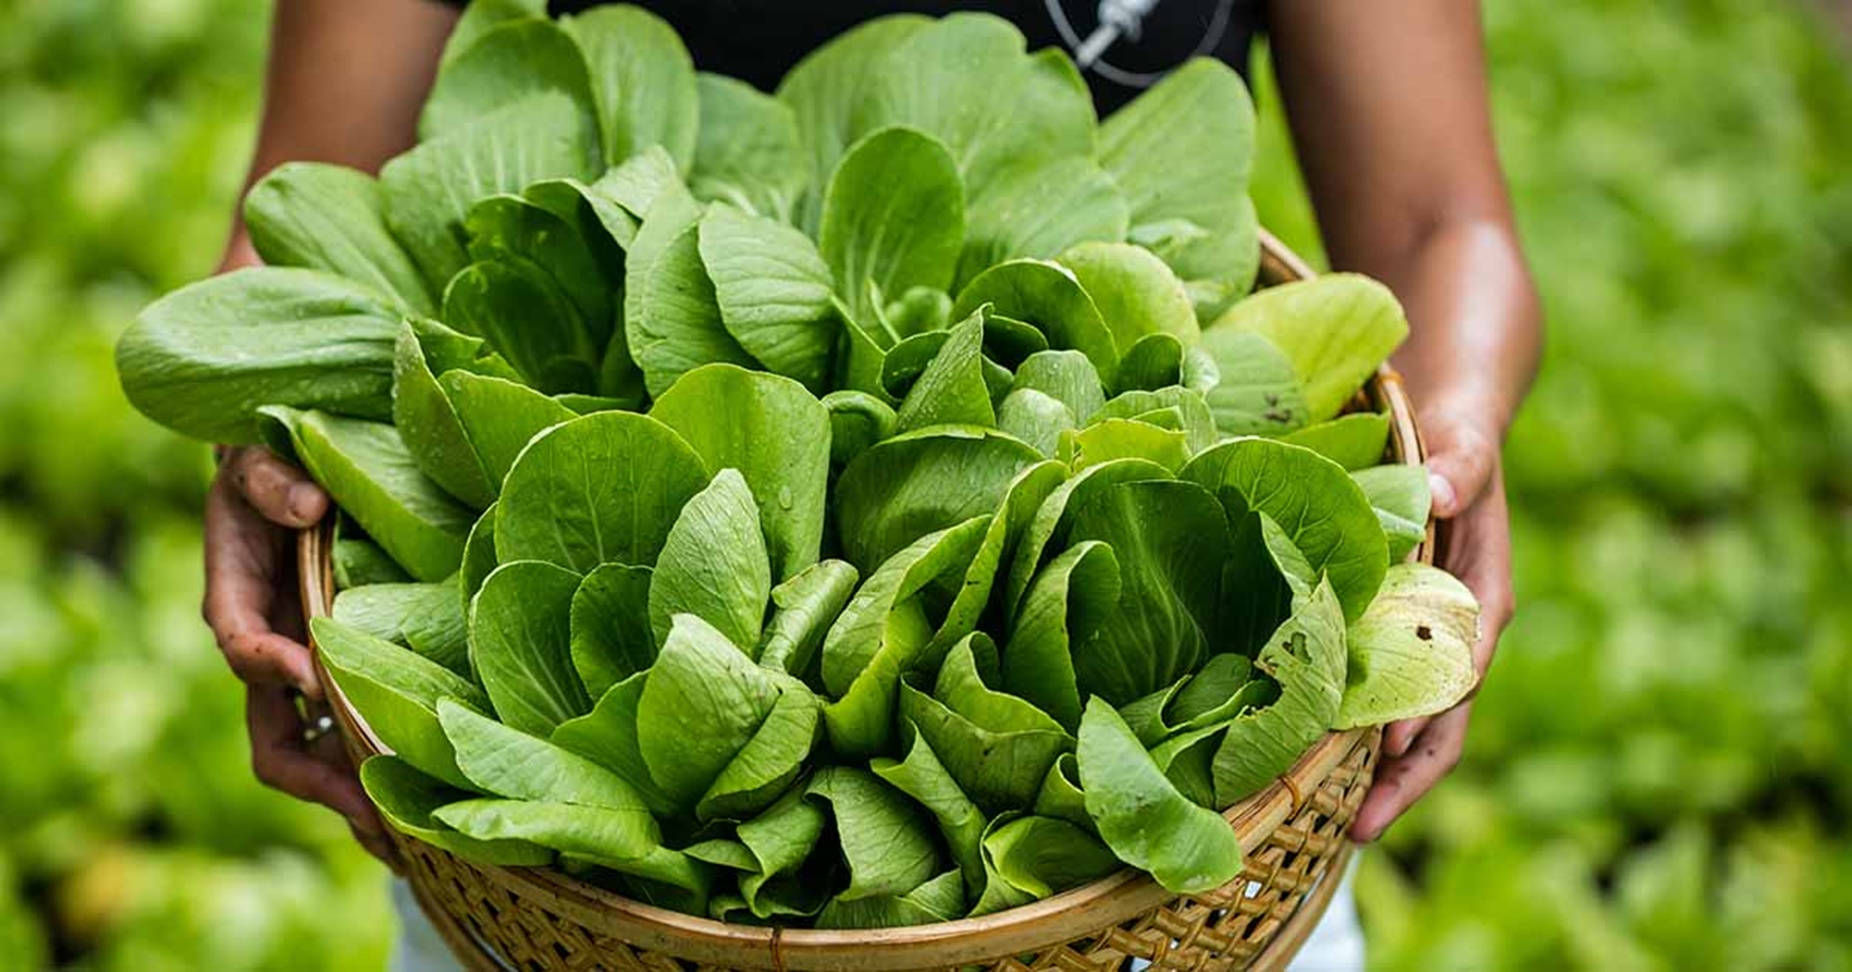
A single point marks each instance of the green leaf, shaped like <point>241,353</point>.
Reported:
<point>803,608</point>
<point>643,81</point>
<point>1256,391</point>
<point>1065,604</point>
<point>919,482</point>
<point>918,310</point>
<point>996,746</point>
<point>965,80</point>
<point>1035,857</point>
<point>595,835</point>
<point>773,289</point>
<point>769,761</point>
<point>608,736</point>
<point>1334,329</point>
<point>359,562</point>
<point>1035,418</point>
<point>429,190</point>
<point>1183,149</point>
<point>507,762</point>
<point>516,59</point>
<point>397,690</point>
<point>1321,508</point>
<point>924,778</point>
<point>1135,292</point>
<point>602,488</point>
<point>427,421</point>
<point>329,217</point>
<point>611,637</point>
<point>1163,533</point>
<point>1067,376</point>
<point>1051,519</point>
<point>699,679</point>
<point>1411,654</point>
<point>1109,439</point>
<point>478,557</point>
<point>427,618</point>
<point>951,390</point>
<point>1061,797</point>
<point>204,358</point>
<point>529,320</point>
<point>1141,815</point>
<point>780,839</point>
<point>365,467</point>
<point>1048,296</point>
<point>884,631</point>
<point>940,899</point>
<point>1306,656</point>
<point>893,217</point>
<point>1040,211</point>
<point>713,564</point>
<point>672,317</point>
<point>776,434</point>
<point>858,420</point>
<point>1152,362</point>
<point>499,417</point>
<point>747,152</point>
<point>482,16</point>
<point>886,839</point>
<point>1399,494</point>
<point>521,645</point>
<point>1187,407</point>
<point>407,798</point>
<point>826,88</point>
<point>1353,441</point>
<point>573,254</point>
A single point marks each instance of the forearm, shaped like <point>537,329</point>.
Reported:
<point>1475,326</point>
<point>345,82</point>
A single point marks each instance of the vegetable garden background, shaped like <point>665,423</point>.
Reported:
<point>1658,775</point>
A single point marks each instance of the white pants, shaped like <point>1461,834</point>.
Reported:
<point>1336,945</point>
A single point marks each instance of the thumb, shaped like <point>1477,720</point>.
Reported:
<point>1460,463</point>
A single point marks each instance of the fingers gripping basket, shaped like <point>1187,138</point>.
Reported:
<point>1292,834</point>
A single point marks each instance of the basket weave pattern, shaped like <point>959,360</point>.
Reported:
<point>1292,832</point>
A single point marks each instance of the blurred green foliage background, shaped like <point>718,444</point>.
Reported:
<point>1658,775</point>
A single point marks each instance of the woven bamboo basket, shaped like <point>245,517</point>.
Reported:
<point>1292,832</point>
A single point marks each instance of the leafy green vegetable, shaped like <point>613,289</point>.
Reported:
<point>1142,817</point>
<point>366,468</point>
<point>1136,293</point>
<point>778,437</point>
<point>1399,494</point>
<point>611,637</point>
<point>599,489</point>
<point>409,799</point>
<point>1411,654</point>
<point>1355,441</point>
<point>893,218</point>
<point>713,564</point>
<point>643,81</point>
<point>1323,511</point>
<point>781,491</point>
<point>521,647</point>
<point>202,359</point>
<point>399,691</point>
<point>1334,329</point>
<point>330,218</point>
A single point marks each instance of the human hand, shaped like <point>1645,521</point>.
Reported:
<point>1468,487</point>
<point>256,503</point>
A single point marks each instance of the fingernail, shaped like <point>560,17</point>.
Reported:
<point>1442,493</point>
<point>304,502</point>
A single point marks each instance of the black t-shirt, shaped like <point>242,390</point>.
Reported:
<point>759,40</point>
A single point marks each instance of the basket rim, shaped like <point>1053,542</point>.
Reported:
<point>1075,913</point>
